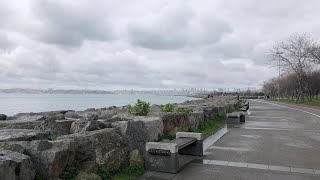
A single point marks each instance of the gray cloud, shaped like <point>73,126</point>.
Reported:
<point>145,44</point>
<point>70,23</point>
<point>177,27</point>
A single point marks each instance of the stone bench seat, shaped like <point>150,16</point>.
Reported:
<point>173,155</point>
<point>235,118</point>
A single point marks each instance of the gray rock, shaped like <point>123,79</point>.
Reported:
<point>135,159</point>
<point>173,122</point>
<point>154,126</point>
<point>55,127</point>
<point>194,119</point>
<point>105,147</point>
<point>27,117</point>
<point>21,135</point>
<point>109,113</point>
<point>14,165</point>
<point>53,115</point>
<point>49,157</point>
<point>86,176</point>
<point>24,121</point>
<point>3,117</point>
<point>134,132</point>
<point>89,115</point>
<point>85,125</point>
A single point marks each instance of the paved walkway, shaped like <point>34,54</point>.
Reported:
<point>277,142</point>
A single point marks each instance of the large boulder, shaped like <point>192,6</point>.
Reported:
<point>89,115</point>
<point>194,119</point>
<point>154,126</point>
<point>105,147</point>
<point>135,133</point>
<point>54,115</point>
<point>3,117</point>
<point>21,135</point>
<point>55,127</point>
<point>49,157</point>
<point>109,112</point>
<point>85,125</point>
<point>14,165</point>
<point>175,121</point>
<point>24,121</point>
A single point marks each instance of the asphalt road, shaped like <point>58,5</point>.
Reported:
<point>277,141</point>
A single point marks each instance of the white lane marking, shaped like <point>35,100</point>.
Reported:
<point>289,108</point>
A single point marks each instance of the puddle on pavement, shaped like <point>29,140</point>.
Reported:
<point>214,138</point>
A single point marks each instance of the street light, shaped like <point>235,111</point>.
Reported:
<point>279,53</point>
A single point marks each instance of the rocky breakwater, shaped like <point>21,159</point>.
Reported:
<point>44,145</point>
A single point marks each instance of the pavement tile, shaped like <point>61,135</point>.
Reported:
<point>220,163</point>
<point>161,175</point>
<point>257,166</point>
<point>302,170</point>
<point>238,164</point>
<point>279,168</point>
<point>201,161</point>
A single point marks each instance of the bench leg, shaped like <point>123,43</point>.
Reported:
<point>160,163</point>
<point>195,149</point>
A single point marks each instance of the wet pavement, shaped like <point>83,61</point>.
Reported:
<point>276,142</point>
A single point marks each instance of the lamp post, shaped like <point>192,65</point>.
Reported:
<point>279,53</point>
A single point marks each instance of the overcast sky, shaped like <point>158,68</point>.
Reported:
<point>145,44</point>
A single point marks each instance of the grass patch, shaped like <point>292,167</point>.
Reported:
<point>314,102</point>
<point>70,172</point>
<point>125,172</point>
<point>165,136</point>
<point>210,126</point>
<point>184,110</point>
<point>3,125</point>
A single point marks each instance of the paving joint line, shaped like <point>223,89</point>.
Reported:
<point>261,166</point>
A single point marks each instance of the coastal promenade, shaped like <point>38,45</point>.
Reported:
<point>278,141</point>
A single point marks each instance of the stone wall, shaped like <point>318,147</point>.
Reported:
<point>45,143</point>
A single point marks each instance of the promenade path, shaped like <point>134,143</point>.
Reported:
<point>278,141</point>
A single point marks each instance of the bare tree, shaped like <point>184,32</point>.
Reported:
<point>295,56</point>
<point>315,54</point>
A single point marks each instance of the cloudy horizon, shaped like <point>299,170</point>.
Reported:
<point>157,44</point>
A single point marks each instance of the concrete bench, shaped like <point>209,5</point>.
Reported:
<point>235,118</point>
<point>172,156</point>
<point>245,106</point>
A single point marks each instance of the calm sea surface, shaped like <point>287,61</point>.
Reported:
<point>12,103</point>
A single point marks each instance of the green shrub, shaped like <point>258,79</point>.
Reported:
<point>3,125</point>
<point>52,137</point>
<point>104,173</point>
<point>70,172</point>
<point>184,110</point>
<point>132,170</point>
<point>167,107</point>
<point>141,108</point>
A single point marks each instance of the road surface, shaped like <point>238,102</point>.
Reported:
<point>277,142</point>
